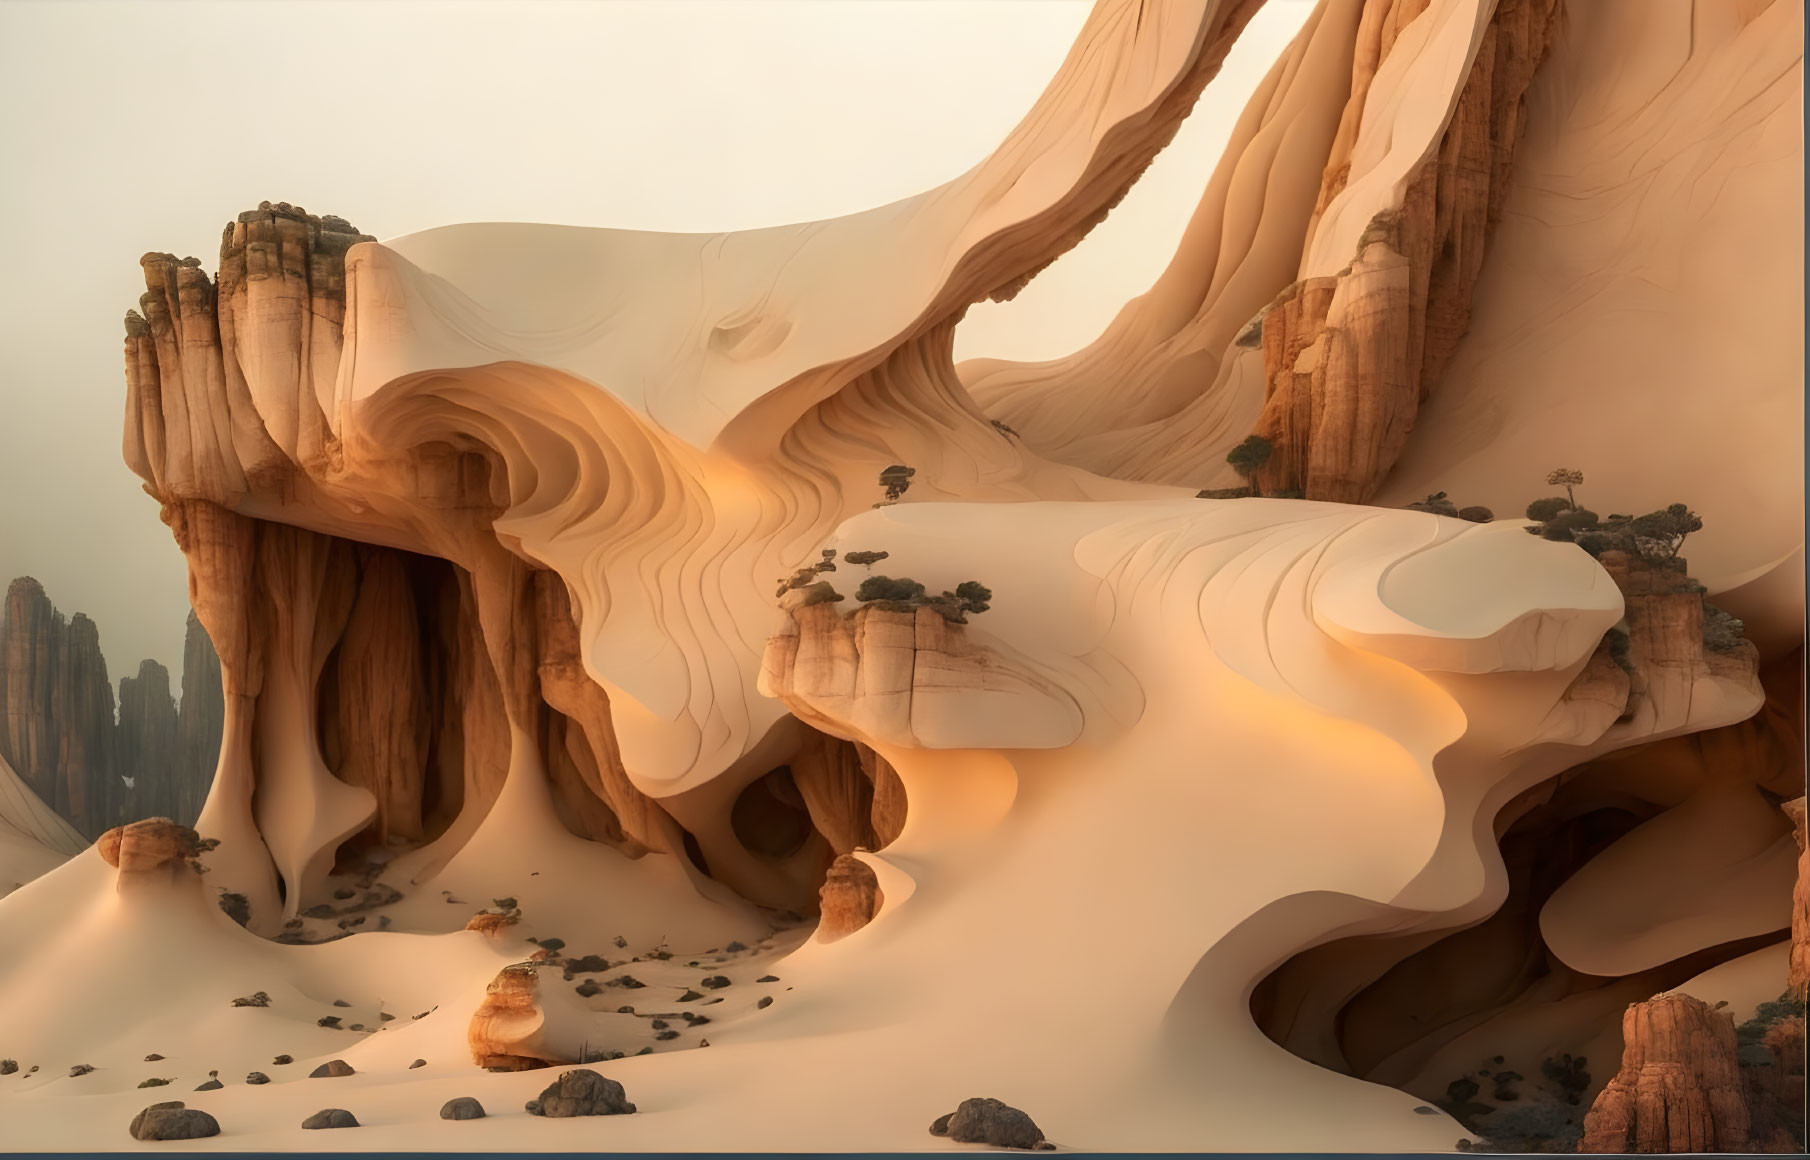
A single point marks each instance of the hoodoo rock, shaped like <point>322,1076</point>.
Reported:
<point>140,848</point>
<point>1679,1088</point>
<point>850,897</point>
<point>505,1031</point>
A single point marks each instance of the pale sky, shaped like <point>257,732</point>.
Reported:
<point>137,126</point>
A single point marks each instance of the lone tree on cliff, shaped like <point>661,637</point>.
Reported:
<point>1668,527</point>
<point>1248,458</point>
<point>1566,478</point>
<point>895,479</point>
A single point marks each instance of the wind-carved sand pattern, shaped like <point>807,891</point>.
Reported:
<point>530,765</point>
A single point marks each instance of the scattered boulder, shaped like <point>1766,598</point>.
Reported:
<point>255,999</point>
<point>172,1121</point>
<point>735,947</point>
<point>693,1018</point>
<point>81,1069</point>
<point>462,1108</point>
<point>628,981</point>
<point>586,964</point>
<point>487,923</point>
<point>689,996</point>
<point>331,1021</point>
<point>154,1082</point>
<point>153,1057</point>
<point>588,988</point>
<point>333,1067</point>
<point>341,1003</point>
<point>8,1066</point>
<point>331,1118</point>
<point>765,1002</point>
<point>715,982</point>
<point>988,1121</point>
<point>257,1077</point>
<point>581,1092</point>
<point>768,979</point>
<point>282,1059</point>
<point>417,1063</point>
<point>665,1035</point>
<point>212,1085</point>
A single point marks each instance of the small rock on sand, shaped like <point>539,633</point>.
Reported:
<point>81,1069</point>
<point>341,1003</point>
<point>153,1057</point>
<point>331,1118</point>
<point>172,1121</point>
<point>417,1063</point>
<point>462,1108</point>
<point>212,1085</point>
<point>282,1059</point>
<point>257,1077</point>
<point>333,1067</point>
<point>715,982</point>
<point>768,979</point>
<point>765,1001</point>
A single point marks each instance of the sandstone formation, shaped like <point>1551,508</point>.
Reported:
<point>506,1030</point>
<point>60,721</point>
<point>1799,978</point>
<point>57,731</point>
<point>139,850</point>
<point>485,525</point>
<point>849,899</point>
<point>1679,1088</point>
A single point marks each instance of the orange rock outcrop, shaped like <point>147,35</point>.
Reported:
<point>504,1034</point>
<point>850,897</point>
<point>1679,1088</point>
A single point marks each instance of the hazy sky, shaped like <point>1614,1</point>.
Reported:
<point>137,126</point>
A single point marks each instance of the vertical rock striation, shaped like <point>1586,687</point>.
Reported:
<point>1679,1088</point>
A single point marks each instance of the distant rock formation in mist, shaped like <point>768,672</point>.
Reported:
<point>59,730</point>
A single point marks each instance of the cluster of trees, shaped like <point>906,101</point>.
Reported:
<point>899,594</point>
<point>903,594</point>
<point>1655,536</point>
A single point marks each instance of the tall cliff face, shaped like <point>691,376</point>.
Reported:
<point>59,731</point>
<point>199,720</point>
<point>58,727</point>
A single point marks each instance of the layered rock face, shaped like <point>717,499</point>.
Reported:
<point>58,729</point>
<point>1679,1088</point>
<point>850,897</point>
<point>505,1031</point>
<point>60,733</point>
<point>1799,979</point>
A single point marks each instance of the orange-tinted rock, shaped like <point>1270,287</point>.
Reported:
<point>151,844</point>
<point>1350,358</point>
<point>850,897</point>
<point>505,1031</point>
<point>1679,1088</point>
<point>491,924</point>
<point>1775,1090</point>
<point>1799,977</point>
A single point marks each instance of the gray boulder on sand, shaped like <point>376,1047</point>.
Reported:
<point>462,1108</point>
<point>172,1121</point>
<point>581,1093</point>
<point>988,1121</point>
<point>333,1067</point>
<point>331,1118</point>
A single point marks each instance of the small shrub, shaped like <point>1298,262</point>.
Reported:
<point>864,559</point>
<point>1569,1072</point>
<point>255,999</point>
<point>1476,514</point>
<point>896,480</point>
<point>1721,632</point>
<point>236,906</point>
<point>1541,510</point>
<point>888,590</point>
<point>820,593</point>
